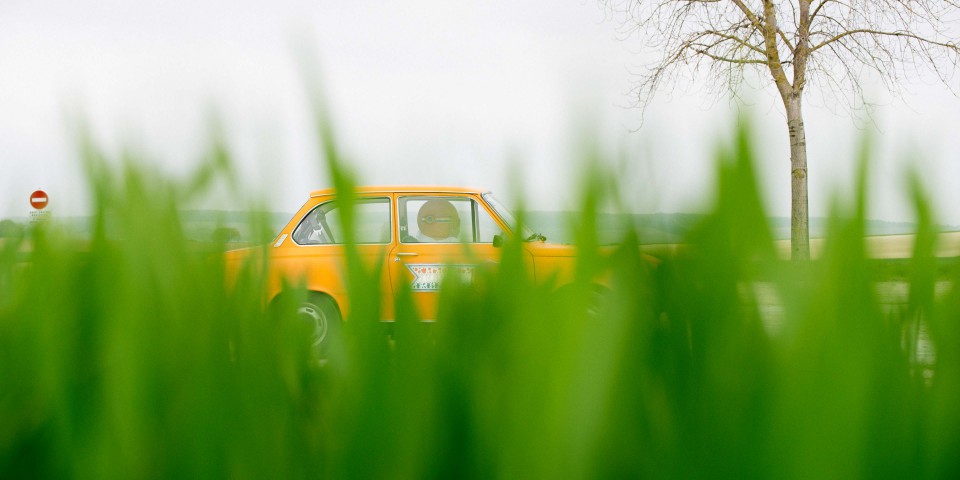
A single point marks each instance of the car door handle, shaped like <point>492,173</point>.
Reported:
<point>404,254</point>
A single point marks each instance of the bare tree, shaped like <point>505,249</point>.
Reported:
<point>832,44</point>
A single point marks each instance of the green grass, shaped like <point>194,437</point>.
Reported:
<point>128,356</point>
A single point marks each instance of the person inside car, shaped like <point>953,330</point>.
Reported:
<point>438,221</point>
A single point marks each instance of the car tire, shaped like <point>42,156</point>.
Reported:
<point>320,312</point>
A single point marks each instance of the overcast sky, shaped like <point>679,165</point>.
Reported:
<point>421,91</point>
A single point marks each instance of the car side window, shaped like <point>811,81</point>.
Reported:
<point>487,227</point>
<point>438,219</point>
<point>323,225</point>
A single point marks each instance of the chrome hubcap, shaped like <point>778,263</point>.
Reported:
<point>316,319</point>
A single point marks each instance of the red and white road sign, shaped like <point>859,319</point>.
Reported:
<point>39,199</point>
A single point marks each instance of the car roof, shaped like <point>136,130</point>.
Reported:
<point>402,189</point>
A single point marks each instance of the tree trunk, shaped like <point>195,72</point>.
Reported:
<point>799,217</point>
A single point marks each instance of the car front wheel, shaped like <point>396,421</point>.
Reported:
<point>322,316</point>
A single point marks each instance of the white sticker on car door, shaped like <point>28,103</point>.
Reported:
<point>428,276</point>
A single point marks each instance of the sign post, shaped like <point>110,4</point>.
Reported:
<point>39,201</point>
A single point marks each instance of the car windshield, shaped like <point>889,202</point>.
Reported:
<point>508,217</point>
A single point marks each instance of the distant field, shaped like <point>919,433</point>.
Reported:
<point>886,246</point>
<point>878,246</point>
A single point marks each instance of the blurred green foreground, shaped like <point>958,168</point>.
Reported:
<point>126,356</point>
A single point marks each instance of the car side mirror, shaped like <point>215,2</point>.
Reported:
<point>497,241</point>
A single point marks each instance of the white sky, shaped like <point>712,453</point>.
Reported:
<point>421,91</point>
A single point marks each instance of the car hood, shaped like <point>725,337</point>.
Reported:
<point>541,249</point>
<point>555,250</point>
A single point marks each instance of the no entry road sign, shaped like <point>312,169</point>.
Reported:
<point>39,199</point>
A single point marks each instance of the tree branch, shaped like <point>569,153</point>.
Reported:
<point>900,34</point>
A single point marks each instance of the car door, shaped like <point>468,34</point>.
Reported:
<point>315,253</point>
<point>440,235</point>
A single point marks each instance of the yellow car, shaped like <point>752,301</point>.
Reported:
<point>421,233</point>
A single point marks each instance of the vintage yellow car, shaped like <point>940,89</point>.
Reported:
<point>421,233</point>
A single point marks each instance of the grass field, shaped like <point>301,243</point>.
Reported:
<point>128,357</point>
<point>887,246</point>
